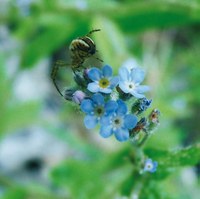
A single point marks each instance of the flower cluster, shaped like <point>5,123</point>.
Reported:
<point>116,103</point>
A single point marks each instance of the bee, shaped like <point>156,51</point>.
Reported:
<point>80,49</point>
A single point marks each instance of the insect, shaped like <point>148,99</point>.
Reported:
<point>80,49</point>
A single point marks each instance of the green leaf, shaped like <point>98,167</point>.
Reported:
<point>19,116</point>
<point>169,161</point>
<point>49,39</point>
<point>183,157</point>
<point>139,16</point>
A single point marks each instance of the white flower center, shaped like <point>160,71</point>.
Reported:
<point>149,166</point>
<point>117,122</point>
<point>130,86</point>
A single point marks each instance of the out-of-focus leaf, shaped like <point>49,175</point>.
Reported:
<point>93,175</point>
<point>143,15</point>
<point>15,193</point>
<point>47,40</point>
<point>18,116</point>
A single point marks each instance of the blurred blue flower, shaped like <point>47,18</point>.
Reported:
<point>130,81</point>
<point>95,108</point>
<point>150,166</point>
<point>118,123</point>
<point>102,80</point>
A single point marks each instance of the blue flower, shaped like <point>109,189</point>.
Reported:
<point>150,166</point>
<point>118,123</point>
<point>102,80</point>
<point>95,108</point>
<point>130,81</point>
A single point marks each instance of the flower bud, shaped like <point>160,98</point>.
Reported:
<point>78,96</point>
<point>68,94</point>
<point>153,119</point>
<point>141,105</point>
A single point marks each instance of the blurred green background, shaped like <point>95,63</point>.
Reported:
<point>45,150</point>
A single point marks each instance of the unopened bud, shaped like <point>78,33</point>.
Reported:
<point>68,94</point>
<point>141,105</point>
<point>78,96</point>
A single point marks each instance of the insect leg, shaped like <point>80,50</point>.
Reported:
<point>92,31</point>
<point>54,71</point>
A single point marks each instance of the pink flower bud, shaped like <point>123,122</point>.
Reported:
<point>78,96</point>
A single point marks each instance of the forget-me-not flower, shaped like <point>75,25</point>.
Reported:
<point>102,80</point>
<point>130,81</point>
<point>95,108</point>
<point>118,123</point>
<point>150,166</point>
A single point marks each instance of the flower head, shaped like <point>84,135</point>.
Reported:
<point>130,64</point>
<point>95,108</point>
<point>130,81</point>
<point>102,80</point>
<point>118,123</point>
<point>150,166</point>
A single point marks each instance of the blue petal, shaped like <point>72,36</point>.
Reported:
<point>98,99</point>
<point>94,74</point>
<point>87,106</point>
<point>114,81</point>
<point>107,71</point>
<point>130,121</point>
<point>124,74</point>
<point>90,121</point>
<point>122,108</point>
<point>93,87</point>
<point>142,89</point>
<point>105,120</point>
<point>122,134</point>
<point>110,107</point>
<point>137,95</point>
<point>137,75</point>
<point>123,87</point>
<point>106,131</point>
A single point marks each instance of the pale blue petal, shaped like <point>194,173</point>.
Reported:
<point>106,131</point>
<point>137,95</point>
<point>130,121</point>
<point>94,74</point>
<point>93,87</point>
<point>105,120</point>
<point>114,81</point>
<point>98,99</point>
<point>137,75</point>
<point>155,164</point>
<point>105,90</point>
<point>107,71</point>
<point>123,87</point>
<point>110,107</point>
<point>87,106</point>
<point>122,134</point>
<point>124,74</point>
<point>122,108</point>
<point>142,89</point>
<point>90,121</point>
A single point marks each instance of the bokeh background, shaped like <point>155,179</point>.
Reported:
<point>45,150</point>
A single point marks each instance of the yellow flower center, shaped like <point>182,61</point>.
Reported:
<point>104,83</point>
